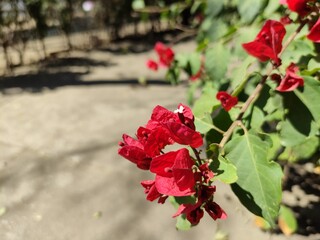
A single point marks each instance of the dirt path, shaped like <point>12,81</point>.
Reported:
<point>60,175</point>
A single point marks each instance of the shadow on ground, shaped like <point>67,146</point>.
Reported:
<point>305,206</point>
<point>60,72</point>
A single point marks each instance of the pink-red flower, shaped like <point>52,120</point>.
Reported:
<point>301,7</point>
<point>165,54</point>
<point>268,43</point>
<point>227,101</point>
<point>291,80</point>
<point>194,212</point>
<point>314,34</point>
<point>174,175</point>
<point>153,65</point>
<point>151,191</point>
<point>180,125</point>
<point>133,150</point>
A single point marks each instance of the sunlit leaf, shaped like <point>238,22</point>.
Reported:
<point>259,180</point>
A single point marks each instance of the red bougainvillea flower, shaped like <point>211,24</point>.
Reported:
<point>151,64</point>
<point>227,101</point>
<point>179,124</point>
<point>197,75</point>
<point>166,54</point>
<point>268,43</point>
<point>299,6</point>
<point>215,211</point>
<point>206,173</point>
<point>314,34</point>
<point>291,80</point>
<point>174,175</point>
<point>133,150</point>
<point>194,212</point>
<point>152,192</point>
<point>154,140</point>
<point>285,20</point>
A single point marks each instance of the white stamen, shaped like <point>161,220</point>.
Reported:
<point>179,110</point>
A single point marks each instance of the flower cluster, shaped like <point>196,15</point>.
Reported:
<point>268,43</point>
<point>165,57</point>
<point>306,8</point>
<point>177,173</point>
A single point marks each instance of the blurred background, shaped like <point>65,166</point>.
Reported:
<point>73,80</point>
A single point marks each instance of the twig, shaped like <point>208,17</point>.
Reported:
<point>257,90</point>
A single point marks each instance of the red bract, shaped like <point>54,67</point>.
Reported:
<point>174,175</point>
<point>291,80</point>
<point>285,20</point>
<point>215,211</point>
<point>133,150</point>
<point>166,54</point>
<point>268,43</point>
<point>180,125</point>
<point>152,192</point>
<point>194,212</point>
<point>154,140</point>
<point>299,6</point>
<point>314,34</point>
<point>152,65</point>
<point>227,101</point>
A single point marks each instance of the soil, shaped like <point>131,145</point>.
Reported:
<point>60,175</point>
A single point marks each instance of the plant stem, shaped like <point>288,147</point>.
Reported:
<point>197,154</point>
<point>256,91</point>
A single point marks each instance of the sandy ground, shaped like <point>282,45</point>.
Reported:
<point>60,175</point>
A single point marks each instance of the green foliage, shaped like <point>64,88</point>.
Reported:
<point>287,221</point>
<point>259,180</point>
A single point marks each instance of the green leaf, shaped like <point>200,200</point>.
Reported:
<point>224,170</point>
<point>207,101</point>
<point>259,180</point>
<point>204,124</point>
<point>217,61</point>
<point>272,6</point>
<point>214,7</point>
<point>304,150</point>
<point>310,96</point>
<point>299,123</point>
<point>287,221</point>
<point>249,9</point>
<point>138,4</point>
<point>194,63</point>
<point>213,29</point>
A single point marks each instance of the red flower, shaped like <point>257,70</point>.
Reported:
<point>152,65</point>
<point>174,175</point>
<point>299,6</point>
<point>166,54</point>
<point>291,80</point>
<point>268,43</point>
<point>227,101</point>
<point>194,212</point>
<point>206,173</point>
<point>215,211</point>
<point>133,150</point>
<point>179,124</point>
<point>285,20</point>
<point>154,140</point>
<point>314,34</point>
<point>152,192</point>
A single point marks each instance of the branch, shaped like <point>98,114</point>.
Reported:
<point>257,90</point>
